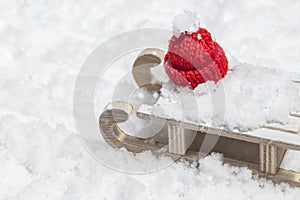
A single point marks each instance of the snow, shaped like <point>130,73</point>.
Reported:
<point>246,99</point>
<point>186,22</point>
<point>291,161</point>
<point>42,47</point>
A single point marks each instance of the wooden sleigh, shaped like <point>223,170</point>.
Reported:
<point>259,150</point>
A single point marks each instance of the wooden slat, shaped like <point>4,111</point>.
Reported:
<point>278,138</point>
<point>295,114</point>
<point>293,126</point>
<point>263,135</point>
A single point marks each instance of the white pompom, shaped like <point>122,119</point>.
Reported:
<point>187,21</point>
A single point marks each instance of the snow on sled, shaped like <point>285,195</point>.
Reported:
<point>246,133</point>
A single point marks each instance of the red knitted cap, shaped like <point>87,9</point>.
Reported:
<point>194,58</point>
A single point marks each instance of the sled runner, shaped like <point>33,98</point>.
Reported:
<point>261,150</point>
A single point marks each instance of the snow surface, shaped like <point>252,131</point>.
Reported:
<point>246,99</point>
<point>42,47</point>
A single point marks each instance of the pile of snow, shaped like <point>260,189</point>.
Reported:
<point>247,98</point>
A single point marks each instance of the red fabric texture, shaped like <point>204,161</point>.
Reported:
<point>193,59</point>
